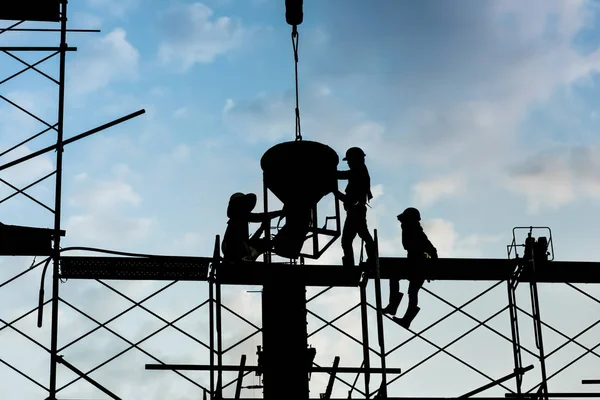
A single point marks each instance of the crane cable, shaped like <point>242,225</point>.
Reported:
<point>295,37</point>
<point>294,17</point>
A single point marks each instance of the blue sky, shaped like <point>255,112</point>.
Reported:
<point>481,114</point>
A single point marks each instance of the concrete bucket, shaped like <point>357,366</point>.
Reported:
<point>299,174</point>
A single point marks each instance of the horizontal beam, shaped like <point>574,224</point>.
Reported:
<point>26,48</point>
<point>49,30</point>
<point>31,10</point>
<point>388,398</point>
<point>157,268</point>
<point>491,269</point>
<point>18,240</point>
<point>72,139</point>
<point>551,395</point>
<point>254,368</point>
<point>259,273</point>
<point>591,382</point>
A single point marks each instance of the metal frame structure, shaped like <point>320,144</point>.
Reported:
<point>26,241</point>
<point>130,266</point>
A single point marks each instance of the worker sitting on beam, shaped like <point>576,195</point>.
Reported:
<point>358,194</point>
<point>237,243</point>
<point>419,250</point>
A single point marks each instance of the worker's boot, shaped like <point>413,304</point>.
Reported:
<point>405,321</point>
<point>392,308</point>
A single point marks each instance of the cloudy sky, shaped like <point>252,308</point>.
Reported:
<point>481,114</point>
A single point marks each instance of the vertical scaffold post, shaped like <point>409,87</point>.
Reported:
<point>365,336</point>
<point>514,326</point>
<point>512,284</point>
<point>57,206</point>
<point>219,340</point>
<point>211,295</point>
<point>537,327</point>
<point>285,341</point>
<point>383,389</point>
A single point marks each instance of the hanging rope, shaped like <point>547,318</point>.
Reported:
<point>294,17</point>
<point>295,37</point>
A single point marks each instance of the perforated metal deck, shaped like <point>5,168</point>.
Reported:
<point>134,268</point>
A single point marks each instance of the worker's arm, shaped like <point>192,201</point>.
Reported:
<point>339,195</point>
<point>431,250</point>
<point>344,174</point>
<point>261,217</point>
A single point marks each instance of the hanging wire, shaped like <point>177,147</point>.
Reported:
<point>295,37</point>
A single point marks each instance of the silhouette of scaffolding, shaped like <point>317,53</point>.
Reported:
<point>18,240</point>
<point>45,242</point>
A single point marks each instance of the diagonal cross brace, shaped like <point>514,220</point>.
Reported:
<point>132,345</point>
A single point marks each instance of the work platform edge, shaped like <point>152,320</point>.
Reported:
<point>259,273</point>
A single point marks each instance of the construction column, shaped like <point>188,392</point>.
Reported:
<point>285,344</point>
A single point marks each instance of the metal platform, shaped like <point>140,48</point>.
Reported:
<point>259,273</point>
<point>491,269</point>
<point>31,10</point>
<point>18,240</point>
<point>134,268</point>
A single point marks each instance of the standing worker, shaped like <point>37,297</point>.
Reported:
<point>237,243</point>
<point>358,194</point>
<point>419,250</point>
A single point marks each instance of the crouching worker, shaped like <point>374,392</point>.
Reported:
<point>419,251</point>
<point>237,244</point>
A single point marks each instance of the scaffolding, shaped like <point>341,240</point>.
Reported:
<point>380,371</point>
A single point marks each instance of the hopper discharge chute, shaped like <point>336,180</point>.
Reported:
<point>299,174</point>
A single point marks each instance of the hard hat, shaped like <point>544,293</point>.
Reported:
<point>354,153</point>
<point>241,203</point>
<point>410,214</point>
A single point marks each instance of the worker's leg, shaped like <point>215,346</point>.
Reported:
<point>394,287</point>
<point>348,235</point>
<point>363,232</point>
<point>414,286</point>
<point>395,298</point>
<point>261,244</point>
<point>258,246</point>
<point>413,301</point>
<point>413,292</point>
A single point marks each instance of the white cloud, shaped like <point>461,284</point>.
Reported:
<point>450,243</point>
<point>26,172</point>
<point>429,191</point>
<point>106,195</point>
<point>103,61</point>
<point>118,8</point>
<point>84,20</point>
<point>469,114</point>
<point>181,112</point>
<point>99,228</point>
<point>446,239</point>
<point>39,101</point>
<point>270,118</point>
<point>229,104</point>
<point>81,177</point>
<point>181,152</point>
<point>192,35</point>
<point>555,178</point>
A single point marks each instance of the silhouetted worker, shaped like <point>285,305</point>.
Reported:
<point>358,194</point>
<point>237,243</point>
<point>419,249</point>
